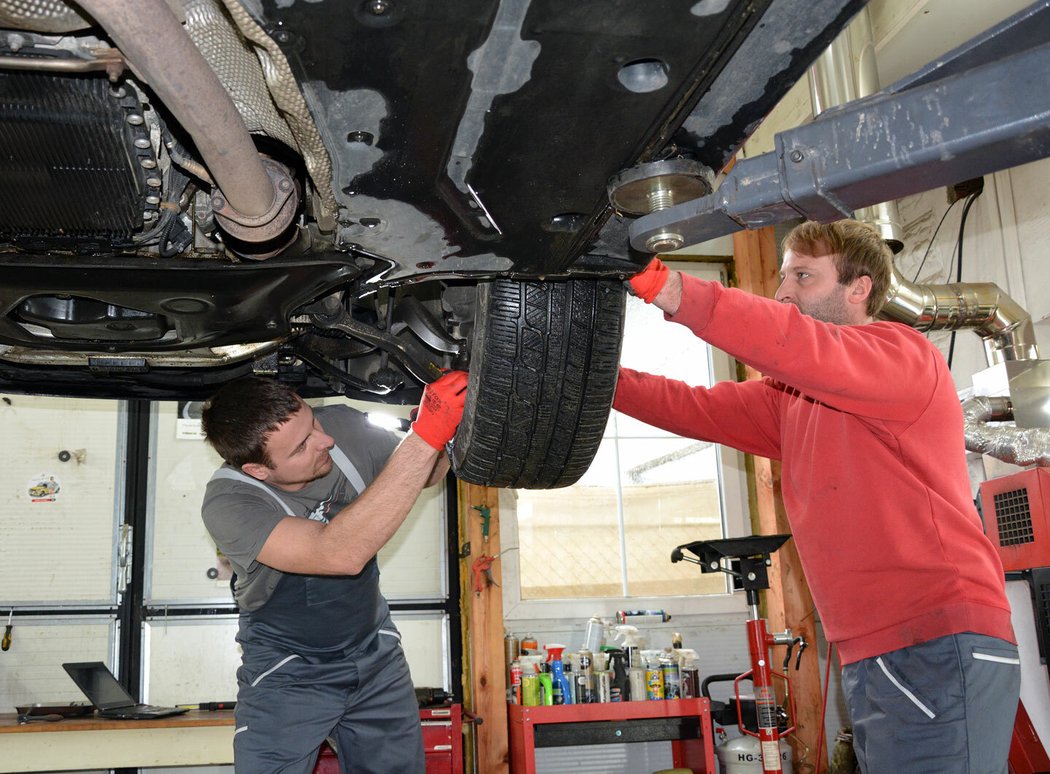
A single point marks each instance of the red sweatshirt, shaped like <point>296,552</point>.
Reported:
<point>869,430</point>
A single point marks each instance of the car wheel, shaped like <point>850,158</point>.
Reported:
<point>543,367</point>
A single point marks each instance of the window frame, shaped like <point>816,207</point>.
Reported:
<point>736,521</point>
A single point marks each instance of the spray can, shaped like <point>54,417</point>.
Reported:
<point>672,682</point>
<point>530,690</point>
<point>603,686</point>
<point>585,676</point>
<point>511,648</point>
<point>636,680</point>
<point>515,682</point>
<point>528,645</point>
<point>654,681</point>
<point>620,687</point>
<point>595,635</point>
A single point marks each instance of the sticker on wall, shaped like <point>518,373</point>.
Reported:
<point>43,488</point>
<point>188,423</point>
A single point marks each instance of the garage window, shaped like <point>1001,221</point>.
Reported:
<point>609,537</point>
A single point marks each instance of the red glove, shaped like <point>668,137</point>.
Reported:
<point>648,283</point>
<point>441,409</point>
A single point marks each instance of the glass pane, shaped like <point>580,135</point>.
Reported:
<point>59,498</point>
<point>184,565</point>
<point>413,561</point>
<point>654,345</point>
<point>569,539</point>
<point>670,497</point>
<point>190,660</point>
<point>32,669</point>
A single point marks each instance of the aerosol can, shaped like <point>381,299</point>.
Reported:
<point>743,755</point>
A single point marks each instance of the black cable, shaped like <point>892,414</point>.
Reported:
<point>958,267</point>
<point>932,238</point>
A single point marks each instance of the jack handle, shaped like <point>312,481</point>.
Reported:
<point>802,644</point>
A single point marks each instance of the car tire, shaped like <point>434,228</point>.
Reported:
<point>543,367</point>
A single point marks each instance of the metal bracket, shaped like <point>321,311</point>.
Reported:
<point>986,112</point>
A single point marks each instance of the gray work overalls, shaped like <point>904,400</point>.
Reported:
<point>301,682</point>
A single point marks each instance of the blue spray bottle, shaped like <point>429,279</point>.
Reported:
<point>558,678</point>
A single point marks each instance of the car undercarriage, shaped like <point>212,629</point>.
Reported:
<point>353,196</point>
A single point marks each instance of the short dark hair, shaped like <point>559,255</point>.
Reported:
<point>857,249</point>
<point>239,417</point>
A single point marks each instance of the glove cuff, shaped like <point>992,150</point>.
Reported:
<point>648,283</point>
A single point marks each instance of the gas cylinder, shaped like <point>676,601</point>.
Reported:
<point>743,755</point>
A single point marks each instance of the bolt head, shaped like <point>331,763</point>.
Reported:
<point>664,242</point>
<point>797,156</point>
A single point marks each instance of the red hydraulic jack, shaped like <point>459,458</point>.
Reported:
<point>747,560</point>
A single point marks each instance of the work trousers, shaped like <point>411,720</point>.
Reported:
<point>364,701</point>
<point>946,706</point>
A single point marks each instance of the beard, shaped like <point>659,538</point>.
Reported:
<point>832,308</point>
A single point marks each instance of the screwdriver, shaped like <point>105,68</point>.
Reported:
<point>209,706</point>
<point>5,644</point>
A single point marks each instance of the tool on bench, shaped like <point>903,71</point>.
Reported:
<point>747,560</point>
<point>209,706</point>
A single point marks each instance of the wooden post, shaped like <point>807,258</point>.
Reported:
<point>484,669</point>
<point>788,601</point>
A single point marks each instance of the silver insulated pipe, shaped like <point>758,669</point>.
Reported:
<point>1018,446</point>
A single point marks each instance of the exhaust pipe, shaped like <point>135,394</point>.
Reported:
<point>255,199</point>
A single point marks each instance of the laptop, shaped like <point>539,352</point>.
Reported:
<point>109,696</point>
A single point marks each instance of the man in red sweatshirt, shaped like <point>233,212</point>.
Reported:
<point>864,417</point>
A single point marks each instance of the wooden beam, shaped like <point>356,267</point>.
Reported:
<point>788,601</point>
<point>484,670</point>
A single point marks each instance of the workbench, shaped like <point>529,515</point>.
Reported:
<point>91,742</point>
<point>192,739</point>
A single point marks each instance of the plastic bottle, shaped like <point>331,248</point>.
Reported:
<point>689,669</point>
<point>620,688</point>
<point>630,642</point>
<point>654,676</point>
<point>562,694</point>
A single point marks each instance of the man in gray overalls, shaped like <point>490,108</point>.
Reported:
<point>303,504</point>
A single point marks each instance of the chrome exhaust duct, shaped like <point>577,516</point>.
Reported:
<point>1002,324</point>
